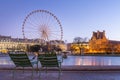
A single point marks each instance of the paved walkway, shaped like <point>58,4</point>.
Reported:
<point>65,75</point>
<point>68,73</point>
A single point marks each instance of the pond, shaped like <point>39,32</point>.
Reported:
<point>78,60</point>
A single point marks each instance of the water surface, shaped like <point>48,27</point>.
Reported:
<point>78,60</point>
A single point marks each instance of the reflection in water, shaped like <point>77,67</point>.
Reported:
<point>91,60</point>
<point>5,62</point>
<point>109,62</point>
<point>78,60</point>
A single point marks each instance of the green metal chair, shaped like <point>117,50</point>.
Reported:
<point>20,59</point>
<point>48,61</point>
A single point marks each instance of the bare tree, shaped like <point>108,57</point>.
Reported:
<point>80,41</point>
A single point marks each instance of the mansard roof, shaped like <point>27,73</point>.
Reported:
<point>114,42</point>
<point>99,35</point>
<point>4,37</point>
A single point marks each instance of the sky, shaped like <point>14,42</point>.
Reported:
<point>79,18</point>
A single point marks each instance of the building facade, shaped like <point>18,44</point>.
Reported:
<point>100,44</point>
<point>97,44</point>
<point>8,43</point>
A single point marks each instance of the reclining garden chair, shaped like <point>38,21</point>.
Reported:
<point>20,59</point>
<point>48,61</point>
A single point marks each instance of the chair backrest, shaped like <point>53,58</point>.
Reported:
<point>20,59</point>
<point>48,60</point>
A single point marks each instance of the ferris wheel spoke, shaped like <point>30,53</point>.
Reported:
<point>52,23</point>
<point>54,26</point>
<point>36,20</point>
<point>34,25</point>
<point>57,34</point>
<point>31,28</point>
<point>42,18</point>
<point>31,31</point>
<point>53,34</point>
<point>55,31</point>
<point>54,38</point>
<point>48,20</point>
<point>33,22</point>
<point>32,36</point>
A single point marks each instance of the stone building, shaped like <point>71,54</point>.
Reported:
<point>8,43</point>
<point>100,44</point>
<point>97,44</point>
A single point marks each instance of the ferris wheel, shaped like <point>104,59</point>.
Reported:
<point>42,24</point>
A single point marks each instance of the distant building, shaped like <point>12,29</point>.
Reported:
<point>97,44</point>
<point>78,48</point>
<point>100,44</point>
<point>9,43</point>
<point>60,44</point>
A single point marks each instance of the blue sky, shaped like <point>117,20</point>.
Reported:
<point>79,18</point>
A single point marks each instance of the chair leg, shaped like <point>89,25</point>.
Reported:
<point>59,73</point>
<point>14,73</point>
<point>23,70</point>
<point>46,69</point>
<point>37,70</point>
<point>40,72</point>
<point>32,74</point>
